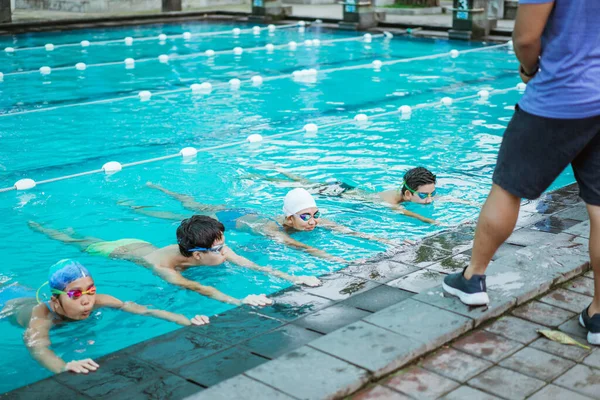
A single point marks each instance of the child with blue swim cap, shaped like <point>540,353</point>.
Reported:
<point>73,298</point>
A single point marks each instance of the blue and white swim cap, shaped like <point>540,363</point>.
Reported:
<point>64,272</point>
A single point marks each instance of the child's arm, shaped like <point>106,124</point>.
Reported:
<point>176,278</point>
<point>103,300</point>
<point>408,213</point>
<point>244,262</point>
<point>286,239</point>
<point>334,226</point>
<point>37,340</point>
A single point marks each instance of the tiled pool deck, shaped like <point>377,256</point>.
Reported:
<point>369,320</point>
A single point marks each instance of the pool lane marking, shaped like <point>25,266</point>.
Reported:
<point>148,38</point>
<point>265,139</point>
<point>226,84</point>
<point>186,56</point>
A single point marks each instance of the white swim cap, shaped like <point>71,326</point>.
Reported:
<point>297,200</point>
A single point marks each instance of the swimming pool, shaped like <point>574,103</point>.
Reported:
<point>72,121</point>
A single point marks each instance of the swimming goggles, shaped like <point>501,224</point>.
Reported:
<point>421,195</point>
<point>216,249</point>
<point>77,293</point>
<point>307,216</point>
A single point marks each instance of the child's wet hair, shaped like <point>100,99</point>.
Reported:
<point>417,177</point>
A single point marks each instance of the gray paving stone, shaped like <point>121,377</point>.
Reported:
<point>331,318</point>
<point>293,303</point>
<point>543,314</point>
<point>528,218</point>
<point>379,392</point>
<point>176,349</point>
<point>124,377</point>
<point>453,264</point>
<point>487,345</point>
<point>454,240</point>
<point>370,347</point>
<point>236,325</point>
<point>593,360</point>
<point>540,266</point>
<point>421,256</point>
<point>430,325</point>
<point>529,237</point>
<point>240,387</point>
<point>581,379</point>
<point>220,366</point>
<point>380,271</point>
<point>537,364</point>
<point>589,274</point>
<point>279,341</point>
<point>567,299</point>
<point>552,392</point>
<point>573,353</point>
<point>47,389</point>
<point>582,229</point>
<point>419,383</point>
<point>541,206</point>
<point>507,384</point>
<point>573,328</point>
<point>307,373</point>
<point>500,304</point>
<point>338,286</point>
<point>468,393</point>
<point>554,224</point>
<point>567,195</point>
<point>577,212</point>
<point>418,281</point>
<point>581,285</point>
<point>377,299</point>
<point>454,364</point>
<point>510,277</point>
<point>516,329</point>
<point>504,250</point>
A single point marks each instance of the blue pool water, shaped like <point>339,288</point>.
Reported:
<point>73,121</point>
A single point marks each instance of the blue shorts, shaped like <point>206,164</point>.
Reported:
<point>332,189</point>
<point>229,217</point>
<point>12,292</point>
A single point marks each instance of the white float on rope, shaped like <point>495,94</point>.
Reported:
<point>112,167</point>
<point>24,184</point>
<point>255,138</point>
<point>188,152</point>
<point>145,95</point>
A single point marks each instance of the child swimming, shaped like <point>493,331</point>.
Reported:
<point>418,186</point>
<point>200,242</point>
<point>300,214</point>
<point>73,298</point>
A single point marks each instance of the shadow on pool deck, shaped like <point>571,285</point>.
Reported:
<point>365,321</point>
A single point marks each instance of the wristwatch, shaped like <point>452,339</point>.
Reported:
<point>529,75</point>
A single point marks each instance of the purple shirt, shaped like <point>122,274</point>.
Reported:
<point>567,86</point>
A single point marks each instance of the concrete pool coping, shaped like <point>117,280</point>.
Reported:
<point>364,322</point>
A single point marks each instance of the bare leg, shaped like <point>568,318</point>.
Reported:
<point>296,178</point>
<point>80,243</point>
<point>594,212</point>
<point>156,214</point>
<point>187,201</point>
<point>496,223</point>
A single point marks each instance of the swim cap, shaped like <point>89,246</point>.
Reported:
<point>64,272</point>
<point>297,200</point>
